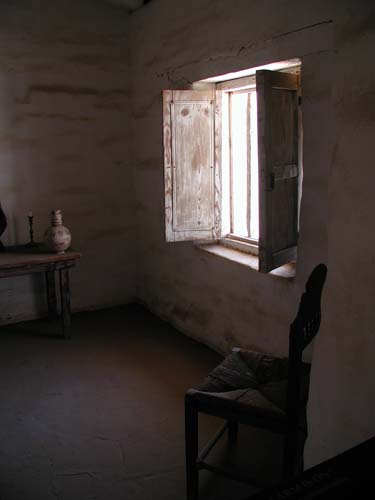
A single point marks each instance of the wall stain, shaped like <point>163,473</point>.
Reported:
<point>192,315</point>
<point>74,191</point>
<point>117,106</point>
<point>154,60</point>
<point>109,141</point>
<point>91,40</point>
<point>356,28</point>
<point>69,157</point>
<point>55,116</point>
<point>143,109</point>
<point>40,67</point>
<point>13,143</point>
<point>88,59</point>
<point>358,107</point>
<point>110,233</point>
<point>71,91</point>
<point>148,163</point>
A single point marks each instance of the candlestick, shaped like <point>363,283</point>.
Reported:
<point>31,230</point>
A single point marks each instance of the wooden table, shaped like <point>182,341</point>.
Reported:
<point>20,260</point>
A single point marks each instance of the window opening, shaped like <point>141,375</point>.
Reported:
<point>241,162</point>
<point>232,162</point>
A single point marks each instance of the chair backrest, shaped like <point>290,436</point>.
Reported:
<point>302,331</point>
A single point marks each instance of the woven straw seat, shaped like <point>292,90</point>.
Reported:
<point>254,380</point>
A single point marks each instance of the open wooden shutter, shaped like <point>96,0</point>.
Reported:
<point>277,98</point>
<point>191,166</point>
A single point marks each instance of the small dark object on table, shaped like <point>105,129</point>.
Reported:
<point>31,243</point>
<point>3,225</point>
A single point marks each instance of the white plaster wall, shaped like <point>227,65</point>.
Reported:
<point>221,302</point>
<point>64,143</point>
<point>342,401</point>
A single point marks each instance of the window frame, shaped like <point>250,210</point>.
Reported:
<point>272,250</point>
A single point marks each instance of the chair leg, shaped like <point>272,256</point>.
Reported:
<point>232,431</point>
<point>293,457</point>
<point>191,449</point>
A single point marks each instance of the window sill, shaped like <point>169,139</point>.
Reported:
<point>287,271</point>
<point>240,244</point>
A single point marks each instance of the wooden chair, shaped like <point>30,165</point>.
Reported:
<point>256,389</point>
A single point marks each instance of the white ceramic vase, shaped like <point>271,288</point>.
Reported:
<point>57,237</point>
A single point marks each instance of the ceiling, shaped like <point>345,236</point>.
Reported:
<point>129,5</point>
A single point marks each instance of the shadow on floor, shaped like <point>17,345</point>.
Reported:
<point>101,416</point>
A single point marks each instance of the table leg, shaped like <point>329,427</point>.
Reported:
<point>51,294</point>
<point>65,301</point>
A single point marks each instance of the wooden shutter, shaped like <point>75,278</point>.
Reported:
<point>191,165</point>
<point>277,98</point>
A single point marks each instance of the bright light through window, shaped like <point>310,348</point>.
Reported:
<point>239,164</point>
<point>240,178</point>
<point>254,175</point>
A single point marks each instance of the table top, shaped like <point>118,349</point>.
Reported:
<point>20,255</point>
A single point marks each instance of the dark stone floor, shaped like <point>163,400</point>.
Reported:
<point>100,416</point>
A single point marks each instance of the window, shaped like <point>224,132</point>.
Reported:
<point>240,183</point>
<point>232,166</point>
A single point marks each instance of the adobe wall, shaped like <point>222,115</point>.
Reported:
<point>64,143</point>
